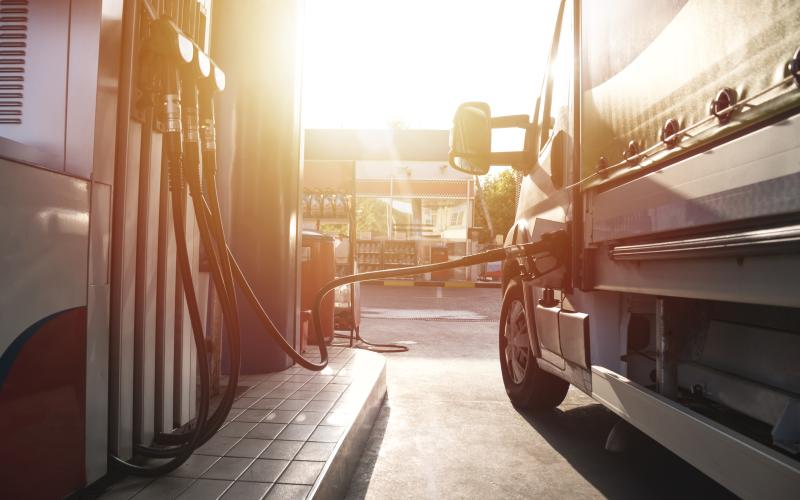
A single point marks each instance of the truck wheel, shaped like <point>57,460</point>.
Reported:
<point>526,384</point>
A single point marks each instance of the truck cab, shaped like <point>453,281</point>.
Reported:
<point>664,143</point>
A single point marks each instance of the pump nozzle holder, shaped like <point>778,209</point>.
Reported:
<point>214,82</point>
<point>168,40</point>
<point>203,63</point>
<point>217,79</point>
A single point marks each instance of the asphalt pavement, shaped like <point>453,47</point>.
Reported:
<point>447,429</point>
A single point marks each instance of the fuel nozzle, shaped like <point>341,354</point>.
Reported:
<point>191,73</point>
<point>553,247</point>
<point>172,49</point>
<point>200,79</point>
<point>214,82</point>
<point>555,243</point>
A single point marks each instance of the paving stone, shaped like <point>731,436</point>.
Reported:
<point>287,492</point>
<point>284,450</point>
<point>267,403</point>
<point>164,487</point>
<point>217,445</point>
<point>265,431</point>
<point>308,417</point>
<point>236,429</point>
<point>321,406</point>
<point>280,416</point>
<point>248,448</point>
<point>327,434</point>
<point>299,472</point>
<point>228,468</point>
<point>339,418</point>
<point>245,490</point>
<point>315,451</point>
<point>292,404</point>
<point>252,416</point>
<point>126,488</point>
<point>205,489</point>
<point>305,395</point>
<point>243,402</point>
<point>264,470</point>
<point>194,466</point>
<point>296,432</point>
<point>326,396</point>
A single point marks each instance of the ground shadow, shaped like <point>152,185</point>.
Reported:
<point>644,469</point>
<point>359,485</point>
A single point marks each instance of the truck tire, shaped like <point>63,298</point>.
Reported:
<point>527,386</point>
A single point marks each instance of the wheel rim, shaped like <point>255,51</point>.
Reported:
<point>518,349</point>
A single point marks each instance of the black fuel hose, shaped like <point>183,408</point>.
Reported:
<point>363,343</point>
<point>263,317</point>
<point>213,239</point>
<point>231,270</point>
<point>230,267</point>
<point>554,244</point>
<point>177,193</point>
<point>184,159</point>
<point>206,430</point>
<point>220,271</point>
<point>206,106</point>
<point>266,321</point>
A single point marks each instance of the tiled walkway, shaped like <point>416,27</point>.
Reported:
<point>282,436</point>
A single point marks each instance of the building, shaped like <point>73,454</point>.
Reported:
<point>406,199</point>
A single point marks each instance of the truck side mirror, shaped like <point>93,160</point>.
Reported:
<point>471,140</point>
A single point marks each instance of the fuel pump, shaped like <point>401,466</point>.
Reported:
<point>186,76</point>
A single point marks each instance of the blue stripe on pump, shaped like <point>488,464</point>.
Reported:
<point>13,350</point>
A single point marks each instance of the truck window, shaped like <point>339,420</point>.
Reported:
<point>555,109</point>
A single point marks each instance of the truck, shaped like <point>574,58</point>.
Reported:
<point>665,144</point>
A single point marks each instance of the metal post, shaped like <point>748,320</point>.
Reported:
<point>389,225</point>
<point>258,44</point>
<point>666,369</point>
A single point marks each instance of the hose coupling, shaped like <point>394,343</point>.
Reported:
<point>192,132</point>
<point>172,113</point>
<point>209,135</point>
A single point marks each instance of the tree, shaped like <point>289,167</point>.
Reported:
<point>371,215</point>
<point>499,195</point>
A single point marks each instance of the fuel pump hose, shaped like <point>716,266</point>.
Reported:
<point>182,453</point>
<point>552,244</point>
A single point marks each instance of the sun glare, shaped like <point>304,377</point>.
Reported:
<point>382,63</point>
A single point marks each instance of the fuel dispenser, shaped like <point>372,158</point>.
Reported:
<point>56,179</point>
<point>102,338</point>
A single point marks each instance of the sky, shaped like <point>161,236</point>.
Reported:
<point>378,63</point>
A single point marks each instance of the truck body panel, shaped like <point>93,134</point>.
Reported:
<point>682,255</point>
<point>706,46</point>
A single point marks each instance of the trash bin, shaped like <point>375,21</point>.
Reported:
<point>439,254</point>
<point>318,267</point>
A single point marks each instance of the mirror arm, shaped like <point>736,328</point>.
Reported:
<point>512,121</point>
<point>519,160</point>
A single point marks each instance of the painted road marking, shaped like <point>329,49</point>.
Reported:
<point>436,284</point>
<point>398,283</point>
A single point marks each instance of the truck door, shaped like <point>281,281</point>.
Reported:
<point>543,201</point>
